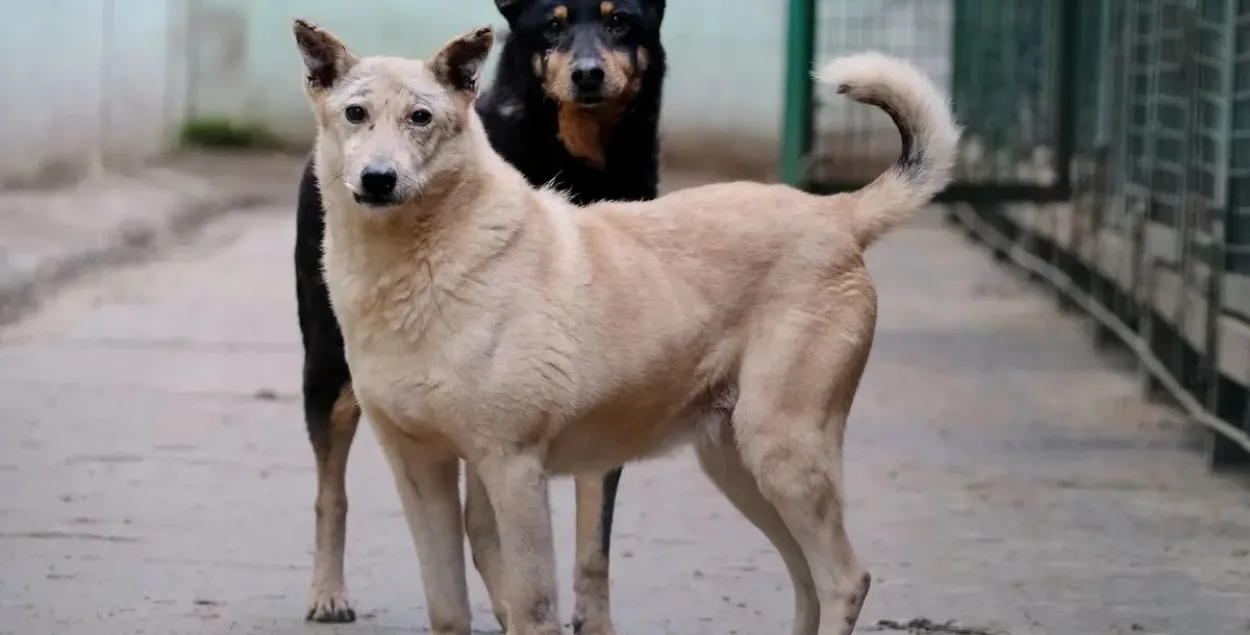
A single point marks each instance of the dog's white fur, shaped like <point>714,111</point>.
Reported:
<point>489,321</point>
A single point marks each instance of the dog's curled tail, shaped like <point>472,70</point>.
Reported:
<point>929,134</point>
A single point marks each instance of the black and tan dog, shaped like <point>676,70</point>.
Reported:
<point>576,103</point>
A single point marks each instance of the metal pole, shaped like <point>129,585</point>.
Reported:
<point>796,139</point>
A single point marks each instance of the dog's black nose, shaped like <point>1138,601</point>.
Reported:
<point>378,181</point>
<point>587,76</point>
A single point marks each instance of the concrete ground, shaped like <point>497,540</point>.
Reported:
<point>155,476</point>
<point>52,232</point>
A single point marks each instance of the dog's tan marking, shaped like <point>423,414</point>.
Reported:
<point>345,414</point>
<point>592,613</point>
<point>606,8</point>
<point>581,129</point>
<point>583,132</point>
<point>644,59</point>
<point>621,81</point>
<point>329,601</point>
<point>561,12</point>
<point>586,131</point>
<point>558,69</point>
<point>619,75</point>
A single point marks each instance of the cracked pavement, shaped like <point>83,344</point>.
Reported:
<point>1002,477</point>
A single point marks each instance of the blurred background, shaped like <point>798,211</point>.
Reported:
<point>1053,434</point>
<point>119,82</point>
<point>123,81</point>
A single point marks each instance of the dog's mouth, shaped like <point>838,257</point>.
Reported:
<point>375,202</point>
<point>591,99</point>
<point>590,102</point>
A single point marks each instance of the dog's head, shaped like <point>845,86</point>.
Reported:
<point>390,127</point>
<point>587,52</point>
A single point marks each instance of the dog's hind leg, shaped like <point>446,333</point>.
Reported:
<point>795,389</point>
<point>596,502</point>
<point>332,416</point>
<point>479,524</point>
<point>330,409</point>
<point>801,478</point>
<point>722,464</point>
<point>428,481</point>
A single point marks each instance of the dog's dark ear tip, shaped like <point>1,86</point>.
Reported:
<point>306,32</point>
<point>480,34</point>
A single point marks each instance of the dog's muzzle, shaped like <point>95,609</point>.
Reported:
<point>587,76</point>
<point>377,186</point>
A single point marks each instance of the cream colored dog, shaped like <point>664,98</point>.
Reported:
<point>488,321</point>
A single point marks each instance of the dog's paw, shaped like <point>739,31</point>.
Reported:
<point>330,608</point>
<point>580,627</point>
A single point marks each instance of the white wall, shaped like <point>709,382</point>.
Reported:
<point>723,98</point>
<point>117,78</point>
<point>726,60</point>
<point>86,79</point>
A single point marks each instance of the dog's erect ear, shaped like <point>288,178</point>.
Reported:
<point>326,58</point>
<point>509,8</point>
<point>458,65</point>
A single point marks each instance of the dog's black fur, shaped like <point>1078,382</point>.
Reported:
<point>523,124</point>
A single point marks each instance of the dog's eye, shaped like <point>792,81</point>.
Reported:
<point>421,117</point>
<point>355,114</point>
<point>555,26</point>
<point>617,23</point>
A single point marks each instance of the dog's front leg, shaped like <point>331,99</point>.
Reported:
<point>428,481</point>
<point>517,488</point>
<point>479,524</point>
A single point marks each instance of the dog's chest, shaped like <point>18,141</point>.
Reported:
<point>415,383</point>
<point>388,320</point>
<point>442,365</point>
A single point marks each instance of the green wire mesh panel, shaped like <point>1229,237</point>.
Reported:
<point>1202,220</point>
<point>1238,135</point>
<point>1117,135</point>
<point>1090,46</point>
<point>1000,59</point>
<point>852,143</point>
<point>1093,42</point>
<point>1167,108</point>
<point>1129,119</point>
<point>1006,62</point>
<point>1208,169</point>
<point>1231,398</point>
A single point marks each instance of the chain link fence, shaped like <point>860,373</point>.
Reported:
<point>1107,151</point>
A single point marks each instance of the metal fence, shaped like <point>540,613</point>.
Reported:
<point>1107,150</point>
